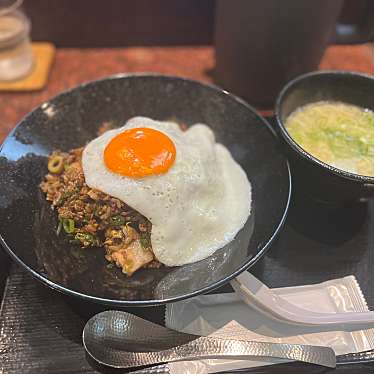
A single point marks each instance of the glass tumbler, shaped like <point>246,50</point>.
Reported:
<point>16,59</point>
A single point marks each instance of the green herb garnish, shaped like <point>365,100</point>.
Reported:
<point>117,220</point>
<point>90,239</point>
<point>68,225</point>
<point>84,237</point>
<point>145,240</point>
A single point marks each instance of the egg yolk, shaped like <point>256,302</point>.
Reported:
<point>139,152</point>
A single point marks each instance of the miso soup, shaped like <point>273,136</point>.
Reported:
<point>336,133</point>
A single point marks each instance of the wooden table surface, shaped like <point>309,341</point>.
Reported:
<point>74,66</point>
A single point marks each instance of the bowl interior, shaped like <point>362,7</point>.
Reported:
<point>347,87</point>
<point>28,225</point>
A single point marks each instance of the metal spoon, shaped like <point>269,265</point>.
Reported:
<point>122,340</point>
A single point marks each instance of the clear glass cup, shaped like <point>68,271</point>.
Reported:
<point>16,59</point>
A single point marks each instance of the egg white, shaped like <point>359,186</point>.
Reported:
<point>195,208</point>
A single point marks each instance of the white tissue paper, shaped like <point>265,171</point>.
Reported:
<point>225,315</point>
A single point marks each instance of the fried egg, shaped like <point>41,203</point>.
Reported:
<point>189,187</point>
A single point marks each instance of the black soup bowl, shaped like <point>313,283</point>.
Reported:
<point>28,225</point>
<point>312,177</point>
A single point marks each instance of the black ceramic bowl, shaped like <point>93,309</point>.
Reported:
<point>28,225</point>
<point>311,176</point>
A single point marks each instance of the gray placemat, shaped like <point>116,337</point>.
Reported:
<point>40,332</point>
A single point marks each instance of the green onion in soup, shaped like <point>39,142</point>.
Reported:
<point>336,133</point>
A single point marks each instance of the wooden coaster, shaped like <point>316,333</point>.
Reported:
<point>43,57</point>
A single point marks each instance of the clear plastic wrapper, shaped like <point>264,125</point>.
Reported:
<point>225,315</point>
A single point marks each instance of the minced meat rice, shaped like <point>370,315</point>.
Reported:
<point>92,218</point>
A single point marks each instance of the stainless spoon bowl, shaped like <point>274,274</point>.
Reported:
<point>123,340</point>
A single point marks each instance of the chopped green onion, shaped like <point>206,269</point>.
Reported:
<point>68,225</point>
<point>110,265</point>
<point>145,240</point>
<point>87,238</point>
<point>84,237</point>
<point>117,220</point>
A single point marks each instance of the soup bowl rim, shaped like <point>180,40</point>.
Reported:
<point>295,146</point>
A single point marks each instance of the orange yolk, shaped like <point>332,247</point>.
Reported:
<point>139,152</point>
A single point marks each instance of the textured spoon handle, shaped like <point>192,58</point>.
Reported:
<point>206,347</point>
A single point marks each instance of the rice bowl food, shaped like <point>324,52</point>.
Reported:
<point>69,122</point>
<point>149,193</point>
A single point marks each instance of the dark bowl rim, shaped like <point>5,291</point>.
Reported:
<point>295,146</point>
<point>138,303</point>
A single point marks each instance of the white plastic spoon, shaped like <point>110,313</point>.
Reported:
<point>256,294</point>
